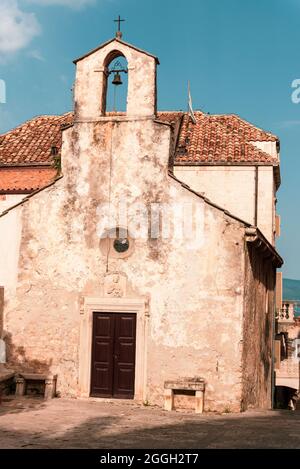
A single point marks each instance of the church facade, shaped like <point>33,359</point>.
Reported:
<point>119,273</point>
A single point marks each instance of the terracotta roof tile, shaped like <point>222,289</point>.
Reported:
<point>22,179</point>
<point>31,142</point>
<point>214,138</point>
<point>221,139</point>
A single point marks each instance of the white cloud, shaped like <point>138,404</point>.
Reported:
<point>63,78</point>
<point>17,27</point>
<point>290,124</point>
<point>7,119</point>
<point>295,2</point>
<point>75,4</point>
<point>36,54</point>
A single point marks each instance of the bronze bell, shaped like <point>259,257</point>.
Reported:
<point>117,79</point>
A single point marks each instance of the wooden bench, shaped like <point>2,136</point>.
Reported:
<point>49,382</point>
<point>186,384</point>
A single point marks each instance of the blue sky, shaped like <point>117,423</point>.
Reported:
<point>241,56</point>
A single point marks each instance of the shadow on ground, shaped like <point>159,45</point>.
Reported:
<point>11,405</point>
<point>121,427</point>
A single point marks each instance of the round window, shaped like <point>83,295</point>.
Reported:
<point>117,243</point>
<point>121,245</point>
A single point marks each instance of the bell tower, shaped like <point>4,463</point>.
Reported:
<point>92,72</point>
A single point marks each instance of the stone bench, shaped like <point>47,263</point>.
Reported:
<point>186,384</point>
<point>6,381</point>
<point>49,382</point>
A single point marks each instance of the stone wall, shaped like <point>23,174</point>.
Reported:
<point>11,227</point>
<point>195,296</point>
<point>258,330</point>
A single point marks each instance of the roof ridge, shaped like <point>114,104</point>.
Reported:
<point>172,112</point>
<point>255,126</point>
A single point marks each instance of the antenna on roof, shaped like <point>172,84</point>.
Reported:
<point>190,105</point>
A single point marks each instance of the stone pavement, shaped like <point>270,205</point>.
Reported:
<point>71,423</point>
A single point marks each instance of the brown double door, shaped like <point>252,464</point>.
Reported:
<point>113,355</point>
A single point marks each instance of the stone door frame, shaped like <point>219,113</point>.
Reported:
<point>113,305</point>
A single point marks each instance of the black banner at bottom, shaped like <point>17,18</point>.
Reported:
<point>143,458</point>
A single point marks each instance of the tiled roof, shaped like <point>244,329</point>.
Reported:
<point>244,129</point>
<point>25,180</point>
<point>221,139</point>
<point>31,142</point>
<point>213,138</point>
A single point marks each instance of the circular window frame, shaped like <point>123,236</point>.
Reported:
<point>107,243</point>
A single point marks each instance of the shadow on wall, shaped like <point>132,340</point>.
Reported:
<point>262,303</point>
<point>20,362</point>
<point>286,398</point>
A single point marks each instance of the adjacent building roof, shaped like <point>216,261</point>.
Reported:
<point>212,139</point>
<point>23,180</point>
<point>219,139</point>
<point>32,142</point>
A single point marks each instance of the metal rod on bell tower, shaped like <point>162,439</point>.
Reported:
<point>115,99</point>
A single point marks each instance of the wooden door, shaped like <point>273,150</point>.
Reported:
<point>113,355</point>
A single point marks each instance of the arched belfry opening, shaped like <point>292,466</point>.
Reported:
<point>115,84</point>
<point>106,82</point>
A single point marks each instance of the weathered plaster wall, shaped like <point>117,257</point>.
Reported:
<point>268,147</point>
<point>258,330</point>
<point>233,187</point>
<point>266,203</point>
<point>10,229</point>
<point>191,293</point>
<point>198,328</point>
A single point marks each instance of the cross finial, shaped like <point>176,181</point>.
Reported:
<point>119,21</point>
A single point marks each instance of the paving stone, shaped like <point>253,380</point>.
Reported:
<point>70,423</point>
